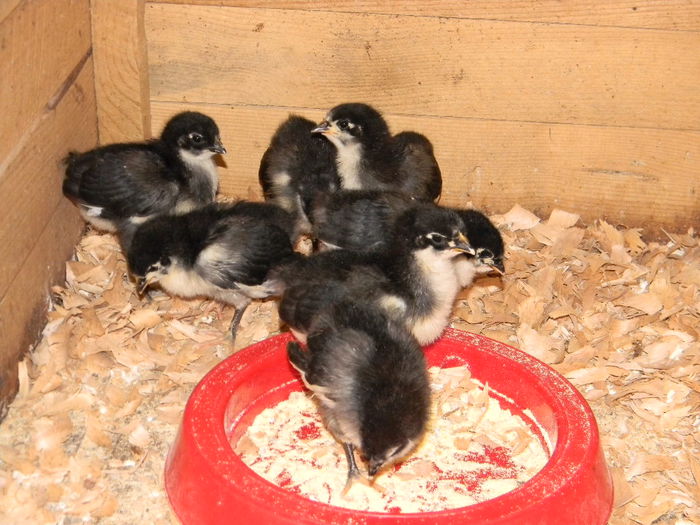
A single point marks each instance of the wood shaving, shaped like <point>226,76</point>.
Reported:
<point>92,367</point>
<point>473,451</point>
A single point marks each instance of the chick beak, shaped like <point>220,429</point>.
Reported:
<point>325,128</point>
<point>498,266</point>
<point>462,245</point>
<point>373,468</point>
<point>218,147</point>
<point>142,284</point>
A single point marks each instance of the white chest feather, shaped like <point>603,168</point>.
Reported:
<point>92,215</point>
<point>186,283</point>
<point>203,166</point>
<point>439,275</point>
<point>466,270</point>
<point>348,160</point>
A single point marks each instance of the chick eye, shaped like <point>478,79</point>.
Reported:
<point>165,261</point>
<point>344,124</point>
<point>196,138</point>
<point>438,240</point>
<point>485,253</point>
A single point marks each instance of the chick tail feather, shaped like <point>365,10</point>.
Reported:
<point>70,158</point>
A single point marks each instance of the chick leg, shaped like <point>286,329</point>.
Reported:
<point>240,310</point>
<point>353,471</point>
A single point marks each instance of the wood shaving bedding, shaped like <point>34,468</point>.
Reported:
<point>473,451</point>
<point>112,371</point>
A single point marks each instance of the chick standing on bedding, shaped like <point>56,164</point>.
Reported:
<point>221,251</point>
<point>296,167</point>
<point>488,247</point>
<point>414,281</point>
<point>369,377</point>
<point>368,157</point>
<point>133,181</point>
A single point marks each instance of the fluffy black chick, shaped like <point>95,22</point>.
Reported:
<point>221,251</point>
<point>414,281</point>
<point>369,157</point>
<point>296,167</point>
<point>357,220</point>
<point>133,181</point>
<point>488,247</point>
<point>361,221</point>
<point>369,377</point>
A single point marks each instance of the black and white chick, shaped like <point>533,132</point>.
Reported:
<point>133,181</point>
<point>297,167</point>
<point>361,221</point>
<point>488,248</point>
<point>220,251</point>
<point>370,379</point>
<point>414,281</point>
<point>369,157</point>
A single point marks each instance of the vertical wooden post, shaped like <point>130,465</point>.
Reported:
<point>121,70</point>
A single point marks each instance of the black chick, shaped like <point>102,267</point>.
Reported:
<point>488,247</point>
<point>221,251</point>
<point>414,281</point>
<point>296,167</point>
<point>368,157</point>
<point>133,181</point>
<point>361,221</point>
<point>369,377</point>
<point>357,220</point>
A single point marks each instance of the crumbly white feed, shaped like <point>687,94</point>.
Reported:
<point>474,450</point>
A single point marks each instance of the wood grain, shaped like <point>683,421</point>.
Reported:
<point>24,305</point>
<point>413,65</point>
<point>31,185</point>
<point>42,41</point>
<point>629,176</point>
<point>6,7</point>
<point>659,14</point>
<point>121,70</point>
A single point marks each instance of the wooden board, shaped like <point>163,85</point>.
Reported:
<point>31,185</point>
<point>417,65</point>
<point>7,7</point>
<point>121,70</point>
<point>48,105</point>
<point>659,14</point>
<point>23,307</point>
<point>629,176</point>
<point>42,41</point>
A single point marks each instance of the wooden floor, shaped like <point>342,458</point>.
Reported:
<point>101,399</point>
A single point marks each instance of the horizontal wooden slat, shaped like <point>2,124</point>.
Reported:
<point>42,41</point>
<point>425,65</point>
<point>31,185</point>
<point>23,307</point>
<point>637,177</point>
<point>121,70</point>
<point>660,14</point>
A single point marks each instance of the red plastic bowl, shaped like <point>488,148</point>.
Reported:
<point>207,482</point>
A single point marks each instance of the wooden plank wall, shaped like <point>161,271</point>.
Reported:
<point>121,70</point>
<point>48,105</point>
<point>591,106</point>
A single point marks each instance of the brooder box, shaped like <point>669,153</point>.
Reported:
<point>593,106</point>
